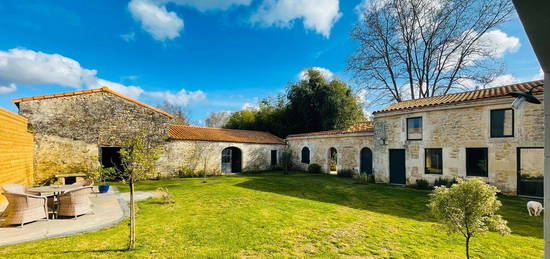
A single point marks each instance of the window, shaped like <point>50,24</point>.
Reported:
<point>433,162</point>
<point>305,155</point>
<point>273,157</point>
<point>502,123</point>
<point>477,162</point>
<point>414,128</point>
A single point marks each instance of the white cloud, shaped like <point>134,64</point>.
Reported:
<point>130,36</point>
<point>501,80</point>
<point>130,91</point>
<point>24,66</point>
<point>319,15</point>
<point>21,66</point>
<point>499,43</point>
<point>155,19</point>
<point>7,89</point>
<point>210,5</point>
<point>182,97</point>
<point>327,74</point>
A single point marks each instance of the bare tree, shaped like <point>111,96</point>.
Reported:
<point>218,119</point>
<point>411,49</point>
<point>181,116</point>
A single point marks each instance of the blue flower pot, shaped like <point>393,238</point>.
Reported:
<point>103,188</point>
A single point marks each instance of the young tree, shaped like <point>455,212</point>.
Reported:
<point>468,207</point>
<point>412,49</point>
<point>138,158</point>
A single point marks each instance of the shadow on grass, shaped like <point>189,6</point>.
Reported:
<point>381,198</point>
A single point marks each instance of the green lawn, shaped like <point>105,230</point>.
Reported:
<point>300,215</point>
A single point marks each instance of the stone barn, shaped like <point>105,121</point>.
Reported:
<point>219,150</point>
<point>78,130</point>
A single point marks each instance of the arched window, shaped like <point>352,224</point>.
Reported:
<point>305,155</point>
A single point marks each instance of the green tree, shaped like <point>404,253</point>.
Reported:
<point>244,119</point>
<point>468,207</point>
<point>315,104</point>
<point>138,158</point>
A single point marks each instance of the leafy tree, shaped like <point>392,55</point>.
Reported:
<point>412,49</point>
<point>314,104</point>
<point>244,119</point>
<point>138,158</point>
<point>468,207</point>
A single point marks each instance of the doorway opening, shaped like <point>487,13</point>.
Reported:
<point>231,160</point>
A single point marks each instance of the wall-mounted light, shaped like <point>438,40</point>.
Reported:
<point>383,139</point>
<point>522,97</point>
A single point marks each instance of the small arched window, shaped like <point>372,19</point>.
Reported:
<point>305,155</point>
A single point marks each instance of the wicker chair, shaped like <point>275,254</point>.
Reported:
<point>23,206</point>
<point>87,182</point>
<point>75,202</point>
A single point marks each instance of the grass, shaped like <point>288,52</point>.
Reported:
<point>298,215</point>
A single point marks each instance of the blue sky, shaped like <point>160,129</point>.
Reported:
<point>209,55</point>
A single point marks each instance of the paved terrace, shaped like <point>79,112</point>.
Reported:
<point>109,209</point>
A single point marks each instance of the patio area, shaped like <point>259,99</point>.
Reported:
<point>108,209</point>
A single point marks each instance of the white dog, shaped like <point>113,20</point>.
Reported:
<point>534,208</point>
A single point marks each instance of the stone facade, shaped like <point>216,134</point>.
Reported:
<point>69,130</point>
<point>190,154</point>
<point>455,128</point>
<point>348,147</point>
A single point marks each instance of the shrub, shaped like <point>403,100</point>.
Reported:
<point>164,195</point>
<point>286,159</point>
<point>364,178</point>
<point>314,169</point>
<point>347,173</point>
<point>422,184</point>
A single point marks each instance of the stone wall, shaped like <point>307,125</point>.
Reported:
<point>16,151</point>
<point>190,154</point>
<point>454,129</point>
<point>348,147</point>
<point>69,130</point>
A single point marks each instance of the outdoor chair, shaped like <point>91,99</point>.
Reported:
<point>23,206</point>
<point>75,202</point>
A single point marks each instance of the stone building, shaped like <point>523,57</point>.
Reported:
<point>467,134</point>
<point>339,149</point>
<point>219,150</point>
<point>76,131</point>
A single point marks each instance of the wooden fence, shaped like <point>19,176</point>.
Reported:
<point>16,150</point>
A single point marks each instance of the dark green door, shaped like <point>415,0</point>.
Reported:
<point>397,166</point>
<point>366,161</point>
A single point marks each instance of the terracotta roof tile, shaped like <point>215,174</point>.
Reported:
<point>360,127</point>
<point>488,93</point>
<point>183,132</point>
<point>102,89</point>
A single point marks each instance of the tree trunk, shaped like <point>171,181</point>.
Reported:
<point>468,247</point>
<point>132,241</point>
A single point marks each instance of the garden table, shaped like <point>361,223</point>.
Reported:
<point>52,192</point>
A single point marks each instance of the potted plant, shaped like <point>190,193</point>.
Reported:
<point>99,175</point>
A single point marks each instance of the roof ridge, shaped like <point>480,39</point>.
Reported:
<point>203,127</point>
<point>89,91</point>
